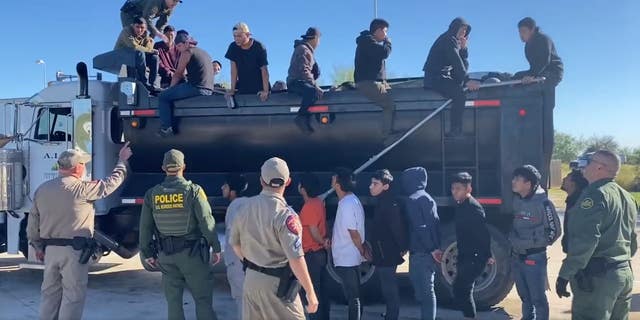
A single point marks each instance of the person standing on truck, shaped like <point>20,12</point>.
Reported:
<point>535,227</point>
<point>445,70</point>
<point>347,244</point>
<point>134,37</point>
<point>389,239</point>
<point>572,184</point>
<point>60,228</point>
<point>373,49</point>
<point>232,189</point>
<point>544,61</point>
<point>425,239</point>
<point>149,10</point>
<point>249,65</point>
<point>473,242</point>
<point>177,214</point>
<point>301,79</point>
<point>267,236</point>
<point>197,63</point>
<point>602,240</point>
<point>315,243</point>
<point>169,56</point>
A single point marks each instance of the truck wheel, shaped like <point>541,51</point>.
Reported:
<point>492,286</point>
<point>23,242</point>
<point>369,285</point>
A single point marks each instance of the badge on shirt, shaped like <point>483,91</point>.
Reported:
<point>587,203</point>
<point>293,224</point>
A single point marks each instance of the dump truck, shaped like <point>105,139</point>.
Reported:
<point>502,130</point>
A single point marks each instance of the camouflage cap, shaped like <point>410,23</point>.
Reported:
<point>275,172</point>
<point>72,157</point>
<point>173,161</point>
<point>241,27</point>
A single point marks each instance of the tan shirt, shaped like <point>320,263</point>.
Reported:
<point>268,231</point>
<point>63,207</point>
<point>127,39</point>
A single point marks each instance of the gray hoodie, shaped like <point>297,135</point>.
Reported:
<point>536,223</point>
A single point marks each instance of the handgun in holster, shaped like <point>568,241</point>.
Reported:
<point>595,268</point>
<point>201,247</point>
<point>86,246</point>
<point>288,286</point>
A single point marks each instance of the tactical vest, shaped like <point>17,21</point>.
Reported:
<point>172,209</point>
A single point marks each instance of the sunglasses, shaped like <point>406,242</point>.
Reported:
<point>586,160</point>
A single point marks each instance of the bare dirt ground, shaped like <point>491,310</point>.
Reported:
<point>121,289</point>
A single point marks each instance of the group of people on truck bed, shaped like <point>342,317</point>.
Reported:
<point>272,253</point>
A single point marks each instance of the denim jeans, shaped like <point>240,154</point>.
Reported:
<point>467,272</point>
<point>389,286</point>
<point>422,274</point>
<point>316,263</point>
<point>350,277</point>
<point>167,97</point>
<point>308,92</point>
<point>531,279</point>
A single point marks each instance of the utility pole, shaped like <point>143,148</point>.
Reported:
<point>375,9</point>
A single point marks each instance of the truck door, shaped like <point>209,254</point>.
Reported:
<point>51,136</point>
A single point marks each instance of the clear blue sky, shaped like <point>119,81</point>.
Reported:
<point>594,38</point>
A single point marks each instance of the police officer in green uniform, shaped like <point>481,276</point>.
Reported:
<point>149,10</point>
<point>267,237</point>
<point>177,231</point>
<point>602,240</point>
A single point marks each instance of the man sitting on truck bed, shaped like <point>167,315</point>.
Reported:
<point>302,80</point>
<point>135,37</point>
<point>249,71</point>
<point>446,69</point>
<point>197,63</point>
<point>169,56</point>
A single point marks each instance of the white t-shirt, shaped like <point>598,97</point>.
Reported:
<point>350,216</point>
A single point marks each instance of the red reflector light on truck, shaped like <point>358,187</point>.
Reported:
<point>144,113</point>
<point>318,109</point>
<point>490,201</point>
<point>132,200</point>
<point>522,112</point>
<point>482,103</point>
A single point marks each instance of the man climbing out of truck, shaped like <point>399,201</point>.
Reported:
<point>425,239</point>
<point>536,226</point>
<point>134,37</point>
<point>347,244</point>
<point>60,228</point>
<point>169,55</point>
<point>178,213</point>
<point>301,79</point>
<point>249,65</point>
<point>445,70</point>
<point>233,189</point>
<point>149,10</point>
<point>372,50</point>
<point>473,243</point>
<point>197,63</point>
<point>544,61</point>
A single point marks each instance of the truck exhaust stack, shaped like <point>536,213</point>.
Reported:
<point>83,77</point>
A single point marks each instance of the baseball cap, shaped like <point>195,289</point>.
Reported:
<point>529,172</point>
<point>173,160</point>
<point>184,37</point>
<point>72,157</point>
<point>242,27</point>
<point>311,33</point>
<point>275,172</point>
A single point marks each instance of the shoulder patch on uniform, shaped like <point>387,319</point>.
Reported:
<point>293,224</point>
<point>587,203</point>
<point>201,194</point>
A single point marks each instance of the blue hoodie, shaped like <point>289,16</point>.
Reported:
<point>422,212</point>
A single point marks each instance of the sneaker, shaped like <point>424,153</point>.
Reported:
<point>165,132</point>
<point>303,124</point>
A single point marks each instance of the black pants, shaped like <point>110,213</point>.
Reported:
<point>548,104</point>
<point>450,89</point>
<point>463,284</point>
<point>389,286</point>
<point>147,60</point>
<point>308,92</point>
<point>316,263</point>
<point>350,277</point>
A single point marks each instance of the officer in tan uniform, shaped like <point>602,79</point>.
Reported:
<point>178,213</point>
<point>267,236</point>
<point>60,228</point>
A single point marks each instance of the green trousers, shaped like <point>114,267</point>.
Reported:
<point>181,270</point>
<point>610,299</point>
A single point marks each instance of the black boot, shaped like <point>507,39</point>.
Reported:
<point>304,123</point>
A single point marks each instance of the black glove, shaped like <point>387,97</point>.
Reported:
<point>561,287</point>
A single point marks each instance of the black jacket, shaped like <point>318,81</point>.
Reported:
<point>472,234</point>
<point>370,58</point>
<point>422,212</point>
<point>570,201</point>
<point>446,60</point>
<point>543,57</point>
<point>389,237</point>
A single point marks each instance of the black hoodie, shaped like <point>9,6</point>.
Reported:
<point>422,212</point>
<point>472,234</point>
<point>370,58</point>
<point>389,237</point>
<point>543,57</point>
<point>447,60</point>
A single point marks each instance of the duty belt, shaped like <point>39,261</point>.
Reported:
<point>274,272</point>
<point>172,245</point>
<point>58,242</point>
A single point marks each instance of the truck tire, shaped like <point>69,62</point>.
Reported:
<point>491,287</point>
